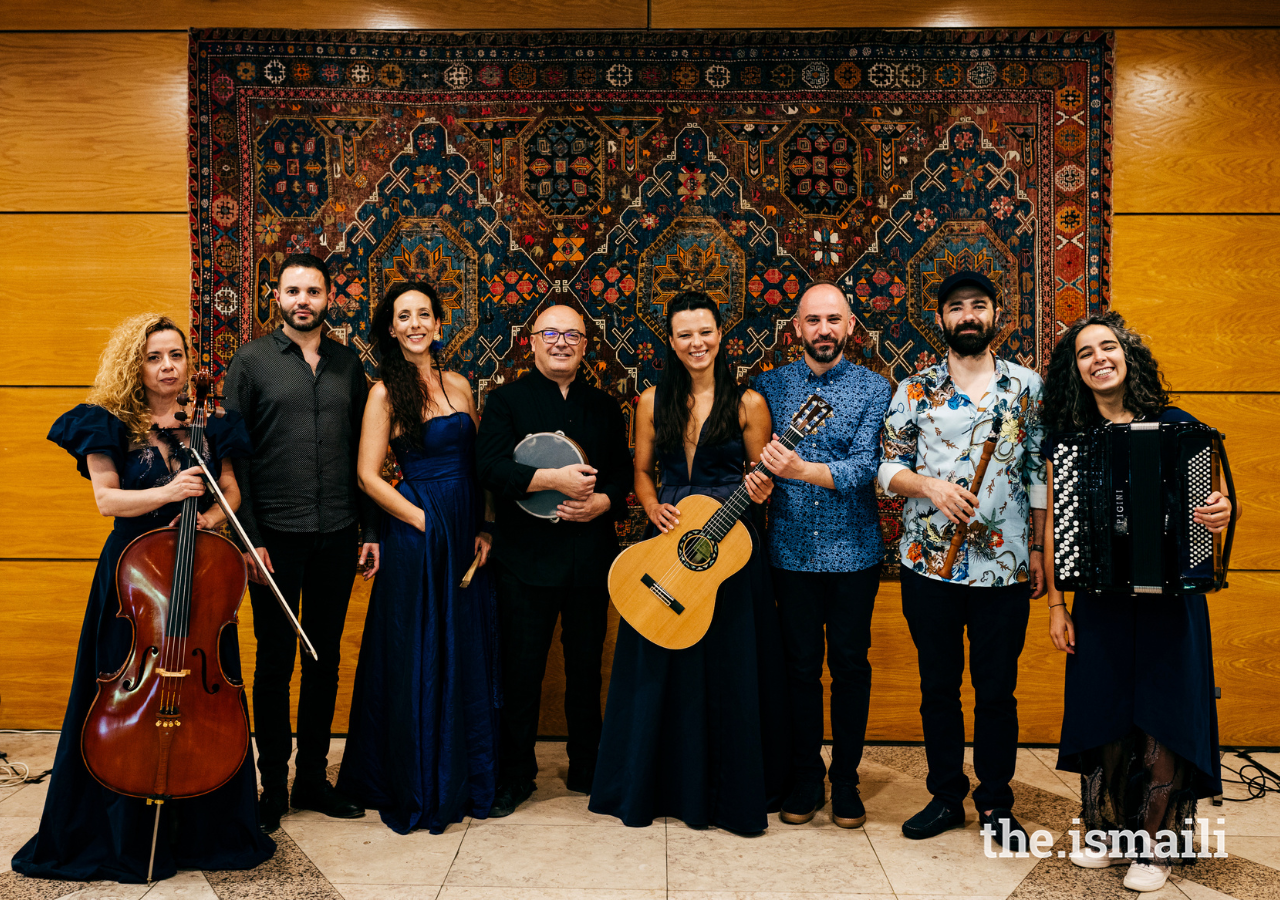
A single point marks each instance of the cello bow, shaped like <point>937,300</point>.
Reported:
<point>231,517</point>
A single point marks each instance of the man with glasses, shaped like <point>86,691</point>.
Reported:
<point>547,569</point>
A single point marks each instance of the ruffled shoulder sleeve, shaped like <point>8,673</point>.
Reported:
<point>91,429</point>
<point>228,436</point>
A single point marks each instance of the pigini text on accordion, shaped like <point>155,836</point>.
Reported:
<point>1123,503</point>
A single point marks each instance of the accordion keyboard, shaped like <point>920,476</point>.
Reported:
<point>1199,486</point>
<point>1070,526</point>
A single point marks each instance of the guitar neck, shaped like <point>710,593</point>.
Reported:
<point>731,510</point>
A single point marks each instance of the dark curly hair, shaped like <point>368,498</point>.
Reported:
<point>671,400</point>
<point>1069,405</point>
<point>406,391</point>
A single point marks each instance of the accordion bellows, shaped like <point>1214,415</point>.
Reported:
<point>1124,498</point>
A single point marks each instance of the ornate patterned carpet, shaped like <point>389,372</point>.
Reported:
<point>611,170</point>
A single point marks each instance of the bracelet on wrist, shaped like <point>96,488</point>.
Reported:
<point>1036,548</point>
<point>1056,605</point>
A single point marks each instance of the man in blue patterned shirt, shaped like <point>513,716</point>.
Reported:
<point>825,547</point>
<point>934,434</point>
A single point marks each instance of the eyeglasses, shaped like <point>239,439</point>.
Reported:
<point>550,336</point>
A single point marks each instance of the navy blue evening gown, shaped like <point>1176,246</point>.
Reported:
<point>421,745</point>
<point>89,832</point>
<point>1142,662</point>
<point>700,734</point>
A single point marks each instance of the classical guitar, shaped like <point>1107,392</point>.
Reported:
<point>665,587</point>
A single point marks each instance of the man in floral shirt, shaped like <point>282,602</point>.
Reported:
<point>932,441</point>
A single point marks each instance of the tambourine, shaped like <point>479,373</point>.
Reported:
<point>547,450</point>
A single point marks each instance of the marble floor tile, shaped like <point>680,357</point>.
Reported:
<point>458,892</point>
<point>351,852</point>
<point>26,801</point>
<point>818,856</point>
<point>14,832</point>
<point>1059,879</point>
<point>1265,850</point>
<point>1260,817</point>
<point>949,896</point>
<point>561,856</point>
<point>388,891</point>
<point>953,863</point>
<point>1049,756</point>
<point>553,803</point>
<point>1033,770</point>
<point>35,748</point>
<point>186,885</point>
<point>774,895</point>
<point>1194,891</point>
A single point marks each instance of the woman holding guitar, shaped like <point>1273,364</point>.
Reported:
<point>125,441</point>
<point>699,733</point>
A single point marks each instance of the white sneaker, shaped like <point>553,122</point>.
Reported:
<point>1146,876</point>
<point>1093,858</point>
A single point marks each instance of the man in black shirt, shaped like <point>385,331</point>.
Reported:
<point>547,569</point>
<point>302,397</point>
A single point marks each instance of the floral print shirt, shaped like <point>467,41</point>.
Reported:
<point>934,429</point>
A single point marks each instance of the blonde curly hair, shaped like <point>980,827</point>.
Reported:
<point>117,387</point>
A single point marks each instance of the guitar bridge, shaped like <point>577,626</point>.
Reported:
<point>662,594</point>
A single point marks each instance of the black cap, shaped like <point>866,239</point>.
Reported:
<point>962,278</point>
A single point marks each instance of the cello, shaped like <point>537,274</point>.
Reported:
<point>170,723</point>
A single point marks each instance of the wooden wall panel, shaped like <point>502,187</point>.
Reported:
<point>1195,115</point>
<point>93,122</point>
<point>67,280</point>
<point>1209,321</point>
<point>957,14</point>
<point>1251,423</point>
<point>311,14</point>
<point>46,509</point>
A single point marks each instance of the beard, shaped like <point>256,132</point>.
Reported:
<point>317,319</point>
<point>970,343</point>
<point>823,356</point>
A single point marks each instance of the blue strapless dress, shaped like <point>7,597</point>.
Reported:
<point>700,734</point>
<point>421,747</point>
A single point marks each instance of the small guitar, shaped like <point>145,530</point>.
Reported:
<point>666,587</point>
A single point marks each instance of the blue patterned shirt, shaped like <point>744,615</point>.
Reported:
<point>933,429</point>
<point>818,529</point>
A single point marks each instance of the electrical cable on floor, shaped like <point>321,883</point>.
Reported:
<point>12,774</point>
<point>1259,785</point>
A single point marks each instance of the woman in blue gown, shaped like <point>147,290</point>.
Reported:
<point>124,440</point>
<point>699,734</point>
<point>421,745</point>
<point>1139,720</point>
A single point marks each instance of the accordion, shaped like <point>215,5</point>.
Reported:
<point>1123,497</point>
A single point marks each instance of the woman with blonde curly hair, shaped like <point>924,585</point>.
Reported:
<point>125,440</point>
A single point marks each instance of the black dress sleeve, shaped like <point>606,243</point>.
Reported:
<point>88,429</point>
<point>496,441</point>
<point>618,473</point>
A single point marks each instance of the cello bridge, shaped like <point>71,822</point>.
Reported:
<point>168,674</point>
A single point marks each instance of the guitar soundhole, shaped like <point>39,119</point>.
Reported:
<point>697,551</point>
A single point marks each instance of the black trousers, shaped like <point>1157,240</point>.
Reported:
<point>938,613</point>
<point>527,619</point>
<point>320,568</point>
<point>843,603</point>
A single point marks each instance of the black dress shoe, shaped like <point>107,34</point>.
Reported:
<point>934,819</point>
<point>579,780</point>
<point>847,810</point>
<point>805,799</point>
<point>1009,833</point>
<point>510,796</point>
<point>273,804</point>
<point>324,798</point>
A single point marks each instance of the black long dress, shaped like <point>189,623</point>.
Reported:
<point>89,832</point>
<point>700,734</point>
<point>1142,663</point>
<point>424,719</point>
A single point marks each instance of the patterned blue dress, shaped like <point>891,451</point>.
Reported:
<point>422,743</point>
<point>89,832</point>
